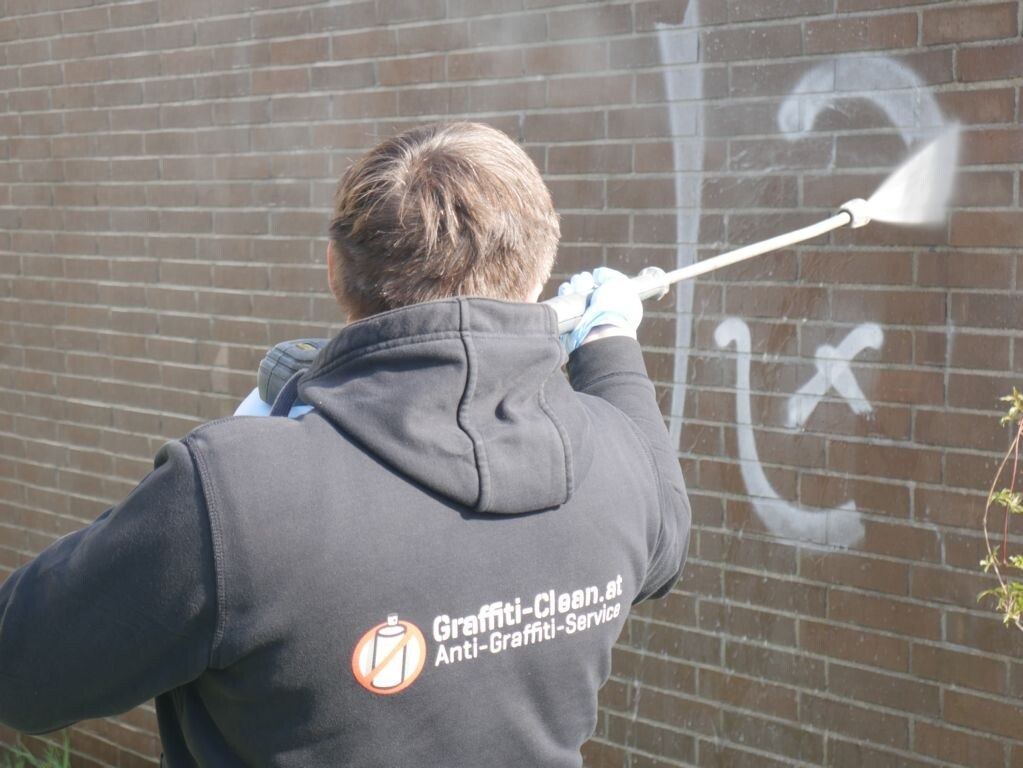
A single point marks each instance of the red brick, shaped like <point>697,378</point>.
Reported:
<point>590,158</point>
<point>856,754</point>
<point>589,91</point>
<point>955,269</point>
<point>392,11</point>
<point>520,28</point>
<point>884,689</point>
<point>364,44</point>
<point>885,461</point>
<point>280,80</point>
<point>598,21</point>
<point>991,146</point>
<point>306,50</point>
<point>866,33</point>
<point>1001,717</point>
<point>745,692</point>
<point>766,42</point>
<point>600,754</point>
<point>871,5</point>
<point>978,391</point>
<point>658,672</point>
<point>422,69</point>
<point>343,77</point>
<point>821,491</point>
<point>855,571</point>
<point>979,107</point>
<point>983,228</point>
<point>85,20</point>
<point>134,14</point>
<point>973,22</point>
<point>566,58</point>
<point>866,724</point>
<point>775,665</point>
<point>662,740</point>
<point>27,52</point>
<point>354,15</point>
<point>989,62</point>
<point>855,645</point>
<point>287,23</point>
<point>777,9</point>
<point>789,741</point>
<point>956,746</point>
<point>563,126</point>
<point>774,593</point>
<point>884,613</point>
<point>747,624</point>
<point>175,36</point>
<point>978,351</point>
<point>985,633</point>
<point>446,36</point>
<point>960,430</point>
<point>945,585</point>
<point>39,25</point>
<point>969,670</point>
<point>947,507</point>
<point>238,56</point>
<point>685,712</point>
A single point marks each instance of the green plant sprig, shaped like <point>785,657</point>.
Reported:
<point>1008,595</point>
<point>55,757</point>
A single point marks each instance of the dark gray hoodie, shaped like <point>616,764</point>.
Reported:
<point>428,569</point>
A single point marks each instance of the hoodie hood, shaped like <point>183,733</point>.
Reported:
<point>464,396</point>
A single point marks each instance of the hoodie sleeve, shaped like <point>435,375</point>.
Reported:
<point>112,615</point>
<point>613,370</point>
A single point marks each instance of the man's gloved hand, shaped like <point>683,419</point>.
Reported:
<point>613,308</point>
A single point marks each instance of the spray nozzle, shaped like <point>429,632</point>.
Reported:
<point>859,211</point>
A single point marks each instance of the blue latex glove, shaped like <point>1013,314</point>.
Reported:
<point>613,302</point>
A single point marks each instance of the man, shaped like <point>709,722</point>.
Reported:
<point>431,566</point>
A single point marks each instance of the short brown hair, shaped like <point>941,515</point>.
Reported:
<point>454,209</point>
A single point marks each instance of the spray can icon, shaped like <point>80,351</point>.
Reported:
<point>390,651</point>
<point>389,657</point>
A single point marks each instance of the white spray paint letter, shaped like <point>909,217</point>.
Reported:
<point>840,527</point>
<point>833,372</point>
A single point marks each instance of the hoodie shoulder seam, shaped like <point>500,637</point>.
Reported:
<point>217,537</point>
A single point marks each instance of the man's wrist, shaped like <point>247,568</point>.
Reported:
<point>606,331</point>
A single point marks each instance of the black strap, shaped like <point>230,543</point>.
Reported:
<point>287,396</point>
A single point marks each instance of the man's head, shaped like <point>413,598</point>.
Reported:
<point>453,209</point>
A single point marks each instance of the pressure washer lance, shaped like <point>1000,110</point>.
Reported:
<point>653,282</point>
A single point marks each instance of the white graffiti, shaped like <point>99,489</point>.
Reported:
<point>834,372</point>
<point>840,527</point>
<point>908,105</point>
<point>896,89</point>
<point>683,88</point>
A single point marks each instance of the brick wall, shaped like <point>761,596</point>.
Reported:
<point>165,178</point>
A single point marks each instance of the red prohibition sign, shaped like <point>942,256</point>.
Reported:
<point>389,657</point>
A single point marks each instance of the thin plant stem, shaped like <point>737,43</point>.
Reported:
<point>1012,489</point>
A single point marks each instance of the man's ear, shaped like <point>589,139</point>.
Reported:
<point>332,268</point>
<point>331,263</point>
